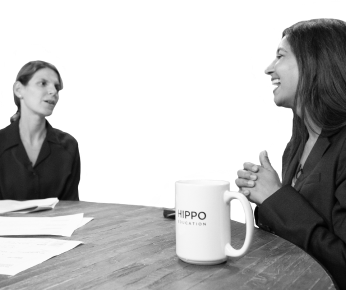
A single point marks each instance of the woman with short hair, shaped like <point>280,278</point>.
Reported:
<point>36,160</point>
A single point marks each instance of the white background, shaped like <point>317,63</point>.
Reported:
<point>163,86</point>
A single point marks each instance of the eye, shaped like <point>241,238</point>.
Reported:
<point>42,83</point>
<point>279,56</point>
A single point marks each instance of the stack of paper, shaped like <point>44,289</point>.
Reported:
<point>27,206</point>
<point>19,254</point>
<point>34,226</point>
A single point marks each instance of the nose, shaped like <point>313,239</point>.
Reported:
<point>52,89</point>
<point>270,69</point>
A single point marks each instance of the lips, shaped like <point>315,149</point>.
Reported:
<point>275,83</point>
<point>50,102</point>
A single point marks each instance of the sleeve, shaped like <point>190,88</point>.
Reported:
<point>289,215</point>
<point>71,187</point>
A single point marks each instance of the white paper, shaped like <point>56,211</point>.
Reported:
<point>27,206</point>
<point>84,221</point>
<point>33,226</point>
<point>19,254</point>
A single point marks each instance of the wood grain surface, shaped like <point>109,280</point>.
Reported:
<point>133,247</point>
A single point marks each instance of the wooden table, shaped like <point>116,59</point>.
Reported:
<point>133,247</point>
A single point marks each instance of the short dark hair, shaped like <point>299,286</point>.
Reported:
<point>24,76</point>
<point>319,46</point>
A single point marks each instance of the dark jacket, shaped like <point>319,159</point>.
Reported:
<point>56,172</point>
<point>312,214</point>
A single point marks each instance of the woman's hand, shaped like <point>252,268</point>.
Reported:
<point>256,182</point>
<point>246,177</point>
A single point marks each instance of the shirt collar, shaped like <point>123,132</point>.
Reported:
<point>12,137</point>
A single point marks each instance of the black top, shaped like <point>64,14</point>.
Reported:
<point>312,214</point>
<point>56,172</point>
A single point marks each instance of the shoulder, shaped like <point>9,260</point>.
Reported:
<point>5,132</point>
<point>339,139</point>
<point>8,136</point>
<point>63,139</point>
<point>338,153</point>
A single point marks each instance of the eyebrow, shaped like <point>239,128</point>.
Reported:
<point>58,83</point>
<point>280,48</point>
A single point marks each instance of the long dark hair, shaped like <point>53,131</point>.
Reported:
<point>24,76</point>
<point>319,46</point>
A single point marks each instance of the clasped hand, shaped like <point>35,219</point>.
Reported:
<point>258,182</point>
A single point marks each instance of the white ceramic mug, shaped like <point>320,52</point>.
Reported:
<point>203,226</point>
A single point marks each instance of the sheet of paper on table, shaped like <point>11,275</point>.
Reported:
<point>27,206</point>
<point>19,254</point>
<point>47,226</point>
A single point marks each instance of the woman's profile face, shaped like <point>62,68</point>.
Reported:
<point>41,94</point>
<point>284,75</point>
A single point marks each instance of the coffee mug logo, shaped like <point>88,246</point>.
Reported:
<point>191,218</point>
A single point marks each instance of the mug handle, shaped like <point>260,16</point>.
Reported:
<point>229,250</point>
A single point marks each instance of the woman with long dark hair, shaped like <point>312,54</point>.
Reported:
<point>36,160</point>
<point>308,208</point>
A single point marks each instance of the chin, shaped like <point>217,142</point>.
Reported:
<point>47,113</point>
<point>281,102</point>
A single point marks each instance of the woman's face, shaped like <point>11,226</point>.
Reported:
<point>41,94</point>
<point>284,75</point>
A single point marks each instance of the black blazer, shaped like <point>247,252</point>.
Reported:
<point>56,172</point>
<point>312,214</point>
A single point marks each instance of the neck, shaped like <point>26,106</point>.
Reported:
<point>32,128</point>
<point>313,130</point>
